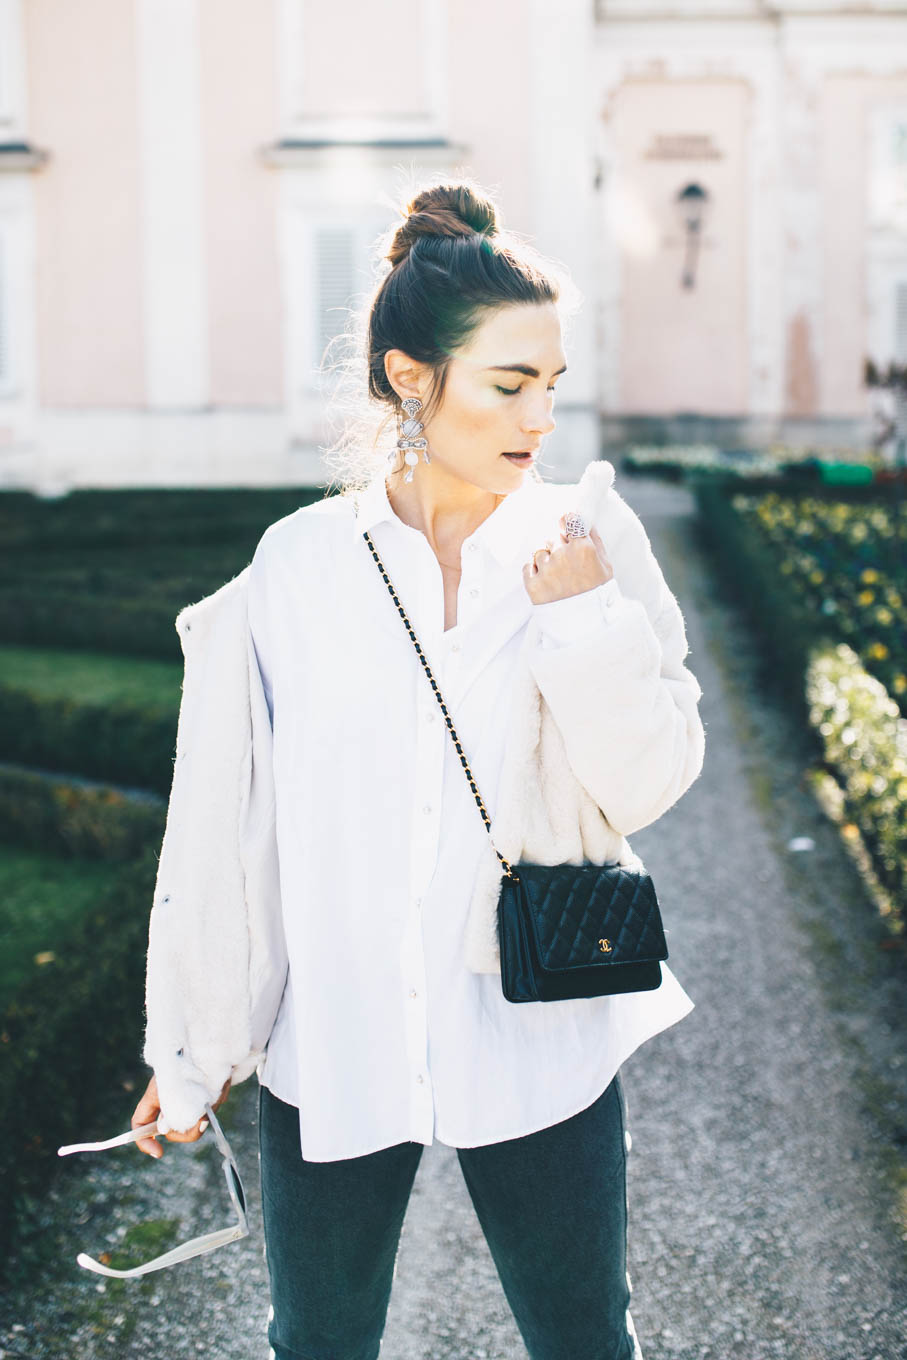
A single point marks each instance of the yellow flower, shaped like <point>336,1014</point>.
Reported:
<point>899,684</point>
<point>865,597</point>
<point>884,615</point>
<point>869,574</point>
<point>878,650</point>
<point>816,576</point>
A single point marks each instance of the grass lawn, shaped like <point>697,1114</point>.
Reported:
<point>40,897</point>
<point>91,677</point>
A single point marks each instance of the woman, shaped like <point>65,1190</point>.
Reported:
<point>325,906</point>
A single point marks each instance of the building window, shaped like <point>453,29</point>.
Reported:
<point>900,322</point>
<point>12,75</point>
<point>888,169</point>
<point>388,84</point>
<point>6,376</point>
<point>334,249</point>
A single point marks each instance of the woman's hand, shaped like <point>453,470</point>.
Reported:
<point>575,565</point>
<point>148,1110</point>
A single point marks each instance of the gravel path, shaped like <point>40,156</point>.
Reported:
<point>767,1179</point>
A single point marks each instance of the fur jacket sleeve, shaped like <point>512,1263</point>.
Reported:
<point>623,700</point>
<point>217,961</point>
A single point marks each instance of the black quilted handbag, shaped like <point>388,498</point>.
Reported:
<point>566,930</point>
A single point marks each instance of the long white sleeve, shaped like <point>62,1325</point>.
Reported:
<point>619,692</point>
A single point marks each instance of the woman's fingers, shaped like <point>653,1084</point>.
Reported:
<point>149,1109</point>
<point>146,1112</point>
<point>190,1135</point>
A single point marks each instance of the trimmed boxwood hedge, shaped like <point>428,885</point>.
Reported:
<point>864,737</point>
<point>71,1038</point>
<point>789,630</point>
<point>110,570</point>
<point>121,742</point>
<point>135,627</point>
<point>91,519</point>
<point>859,735</point>
<point>95,821</point>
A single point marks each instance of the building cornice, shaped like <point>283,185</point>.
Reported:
<point>18,156</point>
<point>290,153</point>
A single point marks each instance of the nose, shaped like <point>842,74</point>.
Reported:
<point>539,421</point>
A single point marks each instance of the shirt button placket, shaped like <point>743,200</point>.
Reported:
<point>423,857</point>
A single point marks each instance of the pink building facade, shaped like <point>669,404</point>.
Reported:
<point>190,191</point>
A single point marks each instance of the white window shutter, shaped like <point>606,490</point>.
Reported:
<point>900,322</point>
<point>335,283</point>
<point>4,317</point>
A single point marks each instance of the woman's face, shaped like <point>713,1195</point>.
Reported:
<point>499,398</point>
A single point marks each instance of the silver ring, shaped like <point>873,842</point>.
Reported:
<point>575,526</point>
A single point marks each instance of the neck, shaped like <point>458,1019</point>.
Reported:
<point>444,508</point>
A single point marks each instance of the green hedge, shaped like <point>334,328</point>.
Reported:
<point>864,738</point>
<point>42,812</point>
<point>71,1038</point>
<point>95,519</point>
<point>841,562</point>
<point>110,570</point>
<point>853,719</point>
<point>143,628</point>
<point>677,462</point>
<point>790,630</point>
<point>121,742</point>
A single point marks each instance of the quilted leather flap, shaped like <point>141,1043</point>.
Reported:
<point>595,914</point>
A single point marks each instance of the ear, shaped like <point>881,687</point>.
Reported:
<point>406,376</point>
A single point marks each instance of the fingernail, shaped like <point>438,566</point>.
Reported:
<point>203,1125</point>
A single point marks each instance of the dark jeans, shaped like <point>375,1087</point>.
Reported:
<point>552,1206</point>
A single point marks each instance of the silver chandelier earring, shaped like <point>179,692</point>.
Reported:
<point>409,436</point>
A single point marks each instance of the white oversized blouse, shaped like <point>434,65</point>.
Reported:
<point>383,1034</point>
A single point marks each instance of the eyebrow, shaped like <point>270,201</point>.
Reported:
<point>521,368</point>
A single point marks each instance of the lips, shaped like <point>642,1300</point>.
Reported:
<point>520,457</point>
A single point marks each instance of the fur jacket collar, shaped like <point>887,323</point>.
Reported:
<point>604,736</point>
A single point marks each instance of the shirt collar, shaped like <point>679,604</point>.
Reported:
<point>508,533</point>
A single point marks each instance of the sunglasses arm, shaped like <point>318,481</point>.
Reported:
<point>144,1131</point>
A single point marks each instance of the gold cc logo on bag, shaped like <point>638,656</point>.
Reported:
<point>605,946</point>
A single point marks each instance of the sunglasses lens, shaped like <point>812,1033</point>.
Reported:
<point>237,1186</point>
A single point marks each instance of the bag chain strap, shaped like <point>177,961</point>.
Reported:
<point>431,679</point>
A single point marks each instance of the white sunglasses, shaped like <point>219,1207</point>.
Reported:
<point>196,1246</point>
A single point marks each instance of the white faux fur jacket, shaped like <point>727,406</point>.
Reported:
<point>590,758</point>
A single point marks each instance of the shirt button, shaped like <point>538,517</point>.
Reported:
<point>455,646</point>
<point>414,993</point>
<point>430,717</point>
<point>427,808</point>
<point>473,593</point>
<point>418,902</point>
<point>473,546</point>
<point>420,1078</point>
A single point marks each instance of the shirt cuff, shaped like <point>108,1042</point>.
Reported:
<point>576,616</point>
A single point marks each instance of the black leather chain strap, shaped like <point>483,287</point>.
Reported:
<point>437,693</point>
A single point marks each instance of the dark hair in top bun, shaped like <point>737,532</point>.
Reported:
<point>446,265</point>
<point>450,210</point>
